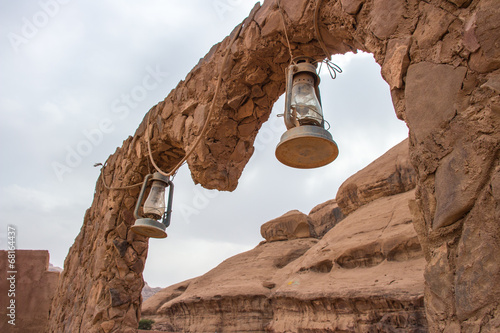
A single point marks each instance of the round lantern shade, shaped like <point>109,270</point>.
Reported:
<point>149,228</point>
<point>306,147</point>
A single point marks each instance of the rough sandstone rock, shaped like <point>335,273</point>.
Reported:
<point>323,217</point>
<point>385,17</point>
<point>35,286</point>
<point>291,225</point>
<point>454,108</point>
<point>440,84</point>
<point>233,297</point>
<point>390,174</point>
<point>162,296</point>
<point>478,278</point>
<point>351,6</point>
<point>396,62</point>
<point>371,263</point>
<point>487,24</point>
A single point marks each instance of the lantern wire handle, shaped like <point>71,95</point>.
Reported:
<point>332,67</point>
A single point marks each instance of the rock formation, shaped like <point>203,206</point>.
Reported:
<point>291,225</point>
<point>441,59</point>
<point>390,174</point>
<point>53,268</point>
<point>147,291</point>
<point>365,274</point>
<point>323,217</point>
<point>31,289</point>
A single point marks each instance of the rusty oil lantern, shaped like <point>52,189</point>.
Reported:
<point>154,207</point>
<point>306,143</point>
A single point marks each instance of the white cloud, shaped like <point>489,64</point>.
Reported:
<point>19,198</point>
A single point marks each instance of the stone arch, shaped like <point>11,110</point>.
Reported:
<point>441,59</point>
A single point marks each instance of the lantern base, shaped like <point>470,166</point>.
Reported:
<point>149,228</point>
<point>306,147</point>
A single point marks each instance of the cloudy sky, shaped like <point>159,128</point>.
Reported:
<point>65,66</point>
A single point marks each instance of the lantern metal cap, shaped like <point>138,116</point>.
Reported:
<point>160,177</point>
<point>149,228</point>
<point>305,64</point>
<point>306,147</point>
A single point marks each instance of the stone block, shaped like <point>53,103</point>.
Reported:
<point>200,113</point>
<point>460,177</point>
<point>252,33</point>
<point>431,93</point>
<point>351,6</point>
<point>455,193</point>
<point>493,82</point>
<point>246,110</point>
<point>477,277</point>
<point>256,76</point>
<point>432,25</point>
<point>396,62</point>
<point>178,127</point>
<point>385,17</point>
<point>469,38</point>
<point>437,273</point>
<point>273,24</point>
<point>247,129</point>
<point>294,9</point>
<point>487,30</point>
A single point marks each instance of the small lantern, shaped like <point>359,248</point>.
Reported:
<point>306,144</point>
<point>154,207</point>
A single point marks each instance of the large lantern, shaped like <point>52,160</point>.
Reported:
<point>154,207</point>
<point>306,143</point>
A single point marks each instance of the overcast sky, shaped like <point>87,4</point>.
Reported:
<point>65,66</point>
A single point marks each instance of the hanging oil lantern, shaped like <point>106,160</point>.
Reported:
<point>306,143</point>
<point>154,208</point>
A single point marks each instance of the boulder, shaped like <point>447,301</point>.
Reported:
<point>291,225</point>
